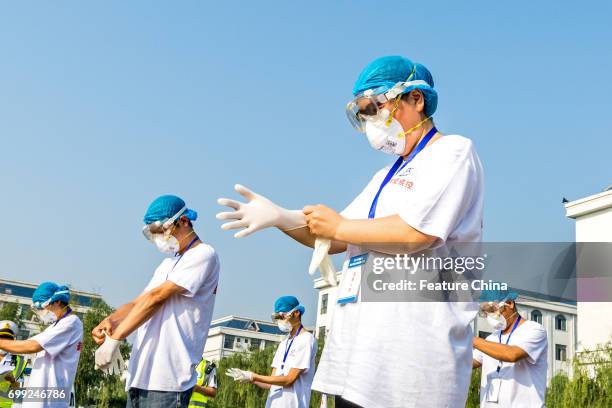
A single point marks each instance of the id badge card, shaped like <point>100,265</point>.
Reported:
<point>351,281</point>
<point>492,392</point>
<point>275,390</point>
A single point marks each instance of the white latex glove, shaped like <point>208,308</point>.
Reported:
<point>240,375</point>
<point>108,356</point>
<point>322,260</point>
<point>257,213</point>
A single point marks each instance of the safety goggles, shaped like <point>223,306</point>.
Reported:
<point>368,105</point>
<point>159,227</point>
<point>487,308</point>
<point>281,315</point>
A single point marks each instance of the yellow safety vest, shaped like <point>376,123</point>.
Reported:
<point>5,386</point>
<point>199,400</point>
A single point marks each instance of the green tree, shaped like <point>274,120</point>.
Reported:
<point>10,311</point>
<point>92,387</point>
<point>231,394</point>
<point>473,399</point>
<point>590,384</point>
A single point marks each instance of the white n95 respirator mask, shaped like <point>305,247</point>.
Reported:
<point>384,135</point>
<point>284,326</point>
<point>45,316</point>
<point>497,321</point>
<point>166,244</point>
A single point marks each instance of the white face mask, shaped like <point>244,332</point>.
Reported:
<point>284,326</point>
<point>46,317</point>
<point>497,321</point>
<point>166,244</point>
<point>388,139</point>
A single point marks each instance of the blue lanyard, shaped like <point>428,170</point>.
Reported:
<point>398,166</point>
<point>288,347</point>
<point>508,339</point>
<point>65,314</point>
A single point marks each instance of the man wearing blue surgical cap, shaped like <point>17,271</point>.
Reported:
<point>57,348</point>
<point>391,354</point>
<point>170,318</point>
<point>513,358</point>
<point>293,365</point>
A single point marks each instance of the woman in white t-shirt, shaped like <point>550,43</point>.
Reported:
<point>391,354</point>
<point>57,348</point>
<point>513,358</point>
<point>293,365</point>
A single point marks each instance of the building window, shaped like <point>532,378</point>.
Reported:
<point>560,352</point>
<point>255,344</point>
<point>560,323</point>
<point>228,341</point>
<point>324,303</point>
<point>536,316</point>
<point>322,332</point>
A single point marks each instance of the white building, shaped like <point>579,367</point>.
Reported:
<point>593,215</point>
<point>558,318</point>
<point>20,293</point>
<point>232,334</point>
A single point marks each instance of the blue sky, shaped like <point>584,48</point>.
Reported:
<point>104,106</point>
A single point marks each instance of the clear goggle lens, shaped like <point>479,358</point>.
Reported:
<point>160,227</point>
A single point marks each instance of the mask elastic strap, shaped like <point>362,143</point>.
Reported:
<point>418,125</point>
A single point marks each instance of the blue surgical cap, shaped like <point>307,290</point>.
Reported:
<point>50,292</point>
<point>165,207</point>
<point>494,295</point>
<point>286,304</point>
<point>385,72</point>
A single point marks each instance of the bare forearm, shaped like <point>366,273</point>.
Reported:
<point>282,380</point>
<point>142,310</point>
<point>304,237</point>
<point>208,391</point>
<point>502,352</point>
<point>262,385</point>
<point>386,230</point>
<point>118,315</point>
<point>20,346</point>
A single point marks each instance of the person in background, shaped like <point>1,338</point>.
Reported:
<point>57,348</point>
<point>206,384</point>
<point>170,318</point>
<point>513,358</point>
<point>293,366</point>
<point>11,366</point>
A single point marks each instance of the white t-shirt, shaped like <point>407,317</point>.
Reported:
<point>523,384</point>
<point>169,346</point>
<point>301,355</point>
<point>56,365</point>
<point>406,354</point>
<point>6,365</point>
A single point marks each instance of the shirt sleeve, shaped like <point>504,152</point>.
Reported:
<point>192,270</point>
<point>447,185</point>
<point>534,342</point>
<point>56,338</point>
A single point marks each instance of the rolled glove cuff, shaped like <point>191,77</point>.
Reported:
<point>290,219</point>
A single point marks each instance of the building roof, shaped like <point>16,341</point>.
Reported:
<point>26,290</point>
<point>587,205</point>
<point>245,323</point>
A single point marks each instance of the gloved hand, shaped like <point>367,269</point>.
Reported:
<point>239,375</point>
<point>257,214</point>
<point>108,357</point>
<point>321,259</point>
